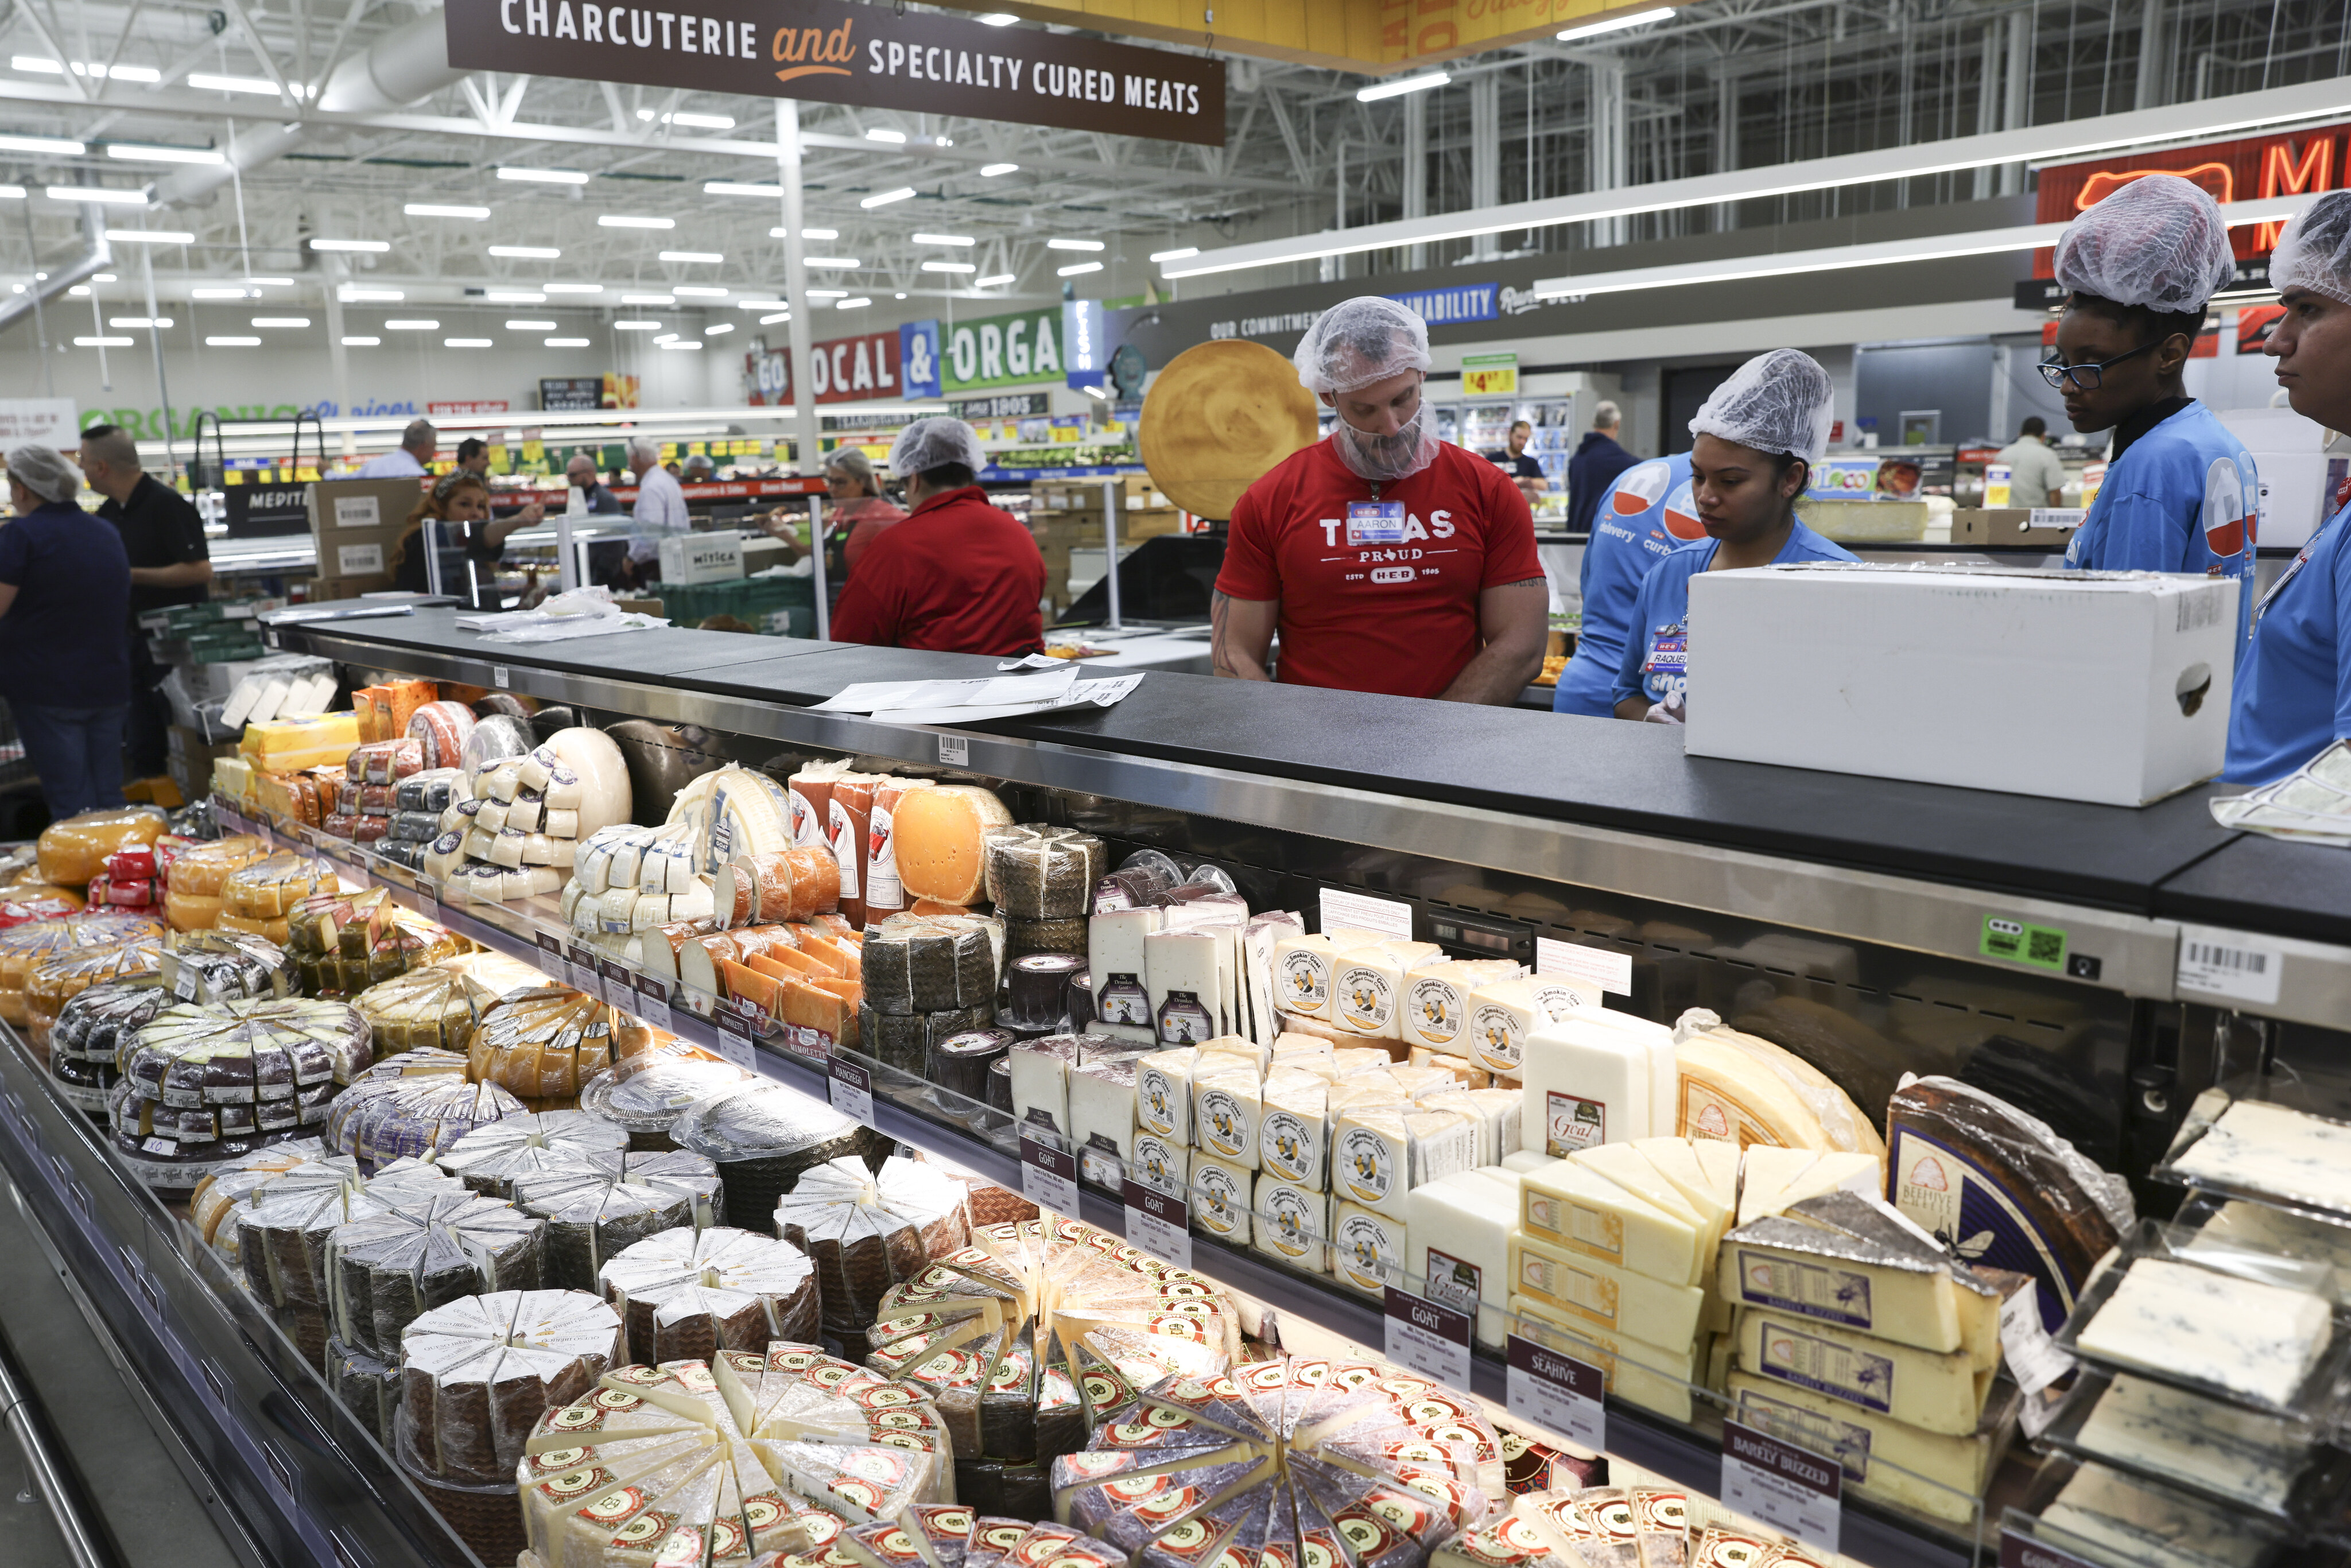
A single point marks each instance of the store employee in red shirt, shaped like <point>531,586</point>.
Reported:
<point>957,575</point>
<point>1389,560</point>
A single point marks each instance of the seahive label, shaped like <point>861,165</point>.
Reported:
<point>1364,1164</point>
<point>1220,1124</point>
<point>1366,999</point>
<point>1365,1255</point>
<point>1969,1212</point>
<point>1305,981</point>
<point>1182,1021</point>
<point>1283,1144</point>
<point>1123,1000</point>
<point>1218,1199</point>
<point>1808,1361</point>
<point>1573,1123</point>
<point>1435,1011</point>
<point>1291,1222</point>
<point>1832,1295</point>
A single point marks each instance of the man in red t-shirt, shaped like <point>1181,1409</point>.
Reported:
<point>1389,560</point>
<point>957,575</point>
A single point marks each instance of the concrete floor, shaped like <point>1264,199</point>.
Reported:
<point>144,1510</point>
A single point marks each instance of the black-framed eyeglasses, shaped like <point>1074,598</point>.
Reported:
<point>2085,377</point>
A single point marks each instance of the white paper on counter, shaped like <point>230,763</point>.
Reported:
<point>1083,693</point>
<point>992,691</point>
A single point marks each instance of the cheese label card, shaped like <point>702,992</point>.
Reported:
<point>1049,1176</point>
<point>1374,523</point>
<point>734,1037</point>
<point>1182,1021</point>
<point>617,989</point>
<point>1573,1123</point>
<point>2017,1551</point>
<point>851,1089</point>
<point>1558,1393</point>
<point>1427,1337</point>
<point>584,977</point>
<point>652,1002</point>
<point>1595,966</point>
<point>1787,1488</point>
<point>1382,917</point>
<point>1157,1223</point>
<point>1123,1000</point>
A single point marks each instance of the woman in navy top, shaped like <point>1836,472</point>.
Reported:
<point>1756,439</point>
<point>65,665</point>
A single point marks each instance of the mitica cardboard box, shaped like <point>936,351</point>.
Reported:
<point>2110,687</point>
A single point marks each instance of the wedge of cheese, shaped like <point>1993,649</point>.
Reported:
<point>1459,1246</point>
<point>1630,1169</point>
<point>1183,974</point>
<point>1652,1376</point>
<point>1614,1300</point>
<point>1764,1173</point>
<point>1495,1112</point>
<point>1832,1171</point>
<point>1368,1249</point>
<point>1526,1159</point>
<point>1367,984</point>
<point>1437,1001</point>
<point>1378,1155</point>
<point>1162,1092</point>
<point>1911,1295</point>
<point>1934,1391</point>
<point>1675,1159</point>
<point>1936,1474</point>
<point>1162,1164</point>
<point>1220,1198</point>
<point>1294,1142</point>
<point>1569,1205</point>
<point>1503,1014</point>
<point>1102,1116</point>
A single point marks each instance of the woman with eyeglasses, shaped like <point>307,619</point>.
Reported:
<point>2181,491</point>
<point>2292,692</point>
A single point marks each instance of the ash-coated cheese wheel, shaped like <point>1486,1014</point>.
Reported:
<point>867,1230</point>
<point>478,1373</point>
<point>687,1294</point>
<point>494,739</point>
<point>385,1271</point>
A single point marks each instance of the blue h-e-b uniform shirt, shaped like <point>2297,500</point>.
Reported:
<point>1642,518</point>
<point>2182,497</point>
<point>61,643</point>
<point>1655,662</point>
<point>2292,692</point>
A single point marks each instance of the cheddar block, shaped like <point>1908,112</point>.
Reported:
<point>1605,1296</point>
<point>1290,1224</point>
<point>1368,1249</point>
<point>1503,1013</point>
<point>1220,1198</point>
<point>1937,1475</point>
<point>1652,1376</point>
<point>1458,1231</point>
<point>1226,1110</point>
<point>1569,1206</point>
<point>1437,1001</point>
<point>816,1018</point>
<point>1911,1296</point>
<point>1294,1142</point>
<point>1367,984</point>
<point>1379,1156</point>
<point>1934,1391</point>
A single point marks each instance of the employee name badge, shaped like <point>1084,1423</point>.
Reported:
<point>1375,522</point>
<point>1668,654</point>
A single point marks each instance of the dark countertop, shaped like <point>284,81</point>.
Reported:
<point>2168,858</point>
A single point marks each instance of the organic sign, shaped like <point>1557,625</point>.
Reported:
<point>833,52</point>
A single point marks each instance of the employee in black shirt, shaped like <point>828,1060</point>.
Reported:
<point>170,564</point>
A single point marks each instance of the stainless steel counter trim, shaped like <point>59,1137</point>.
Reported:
<point>2135,955</point>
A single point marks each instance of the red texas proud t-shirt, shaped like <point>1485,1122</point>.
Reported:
<point>1397,617</point>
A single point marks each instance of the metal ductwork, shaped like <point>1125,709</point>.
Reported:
<point>405,65</point>
<point>97,257</point>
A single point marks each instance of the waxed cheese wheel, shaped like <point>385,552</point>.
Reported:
<point>546,1040</point>
<point>201,869</point>
<point>478,1373</point>
<point>442,728</point>
<point>86,1042</point>
<point>388,1272</point>
<point>905,1041</point>
<point>58,979</point>
<point>427,791</point>
<point>794,884</point>
<point>599,1204</point>
<point>494,739</point>
<point>941,835</point>
<point>599,790</point>
<point>432,1007</point>
<point>412,1105</point>
<point>1036,873</point>
<point>74,851</point>
<point>1037,987</point>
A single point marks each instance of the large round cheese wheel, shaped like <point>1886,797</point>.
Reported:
<point>494,739</point>
<point>491,1158</point>
<point>867,1230</point>
<point>268,889</point>
<point>604,794</point>
<point>478,1373</point>
<point>443,726</point>
<point>412,1105</point>
<point>687,1294</point>
<point>57,980</point>
<point>74,851</point>
<point>23,947</point>
<point>942,835</point>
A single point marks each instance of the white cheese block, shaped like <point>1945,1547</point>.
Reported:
<point>1256,1056</point>
<point>1423,1083</point>
<point>1259,985</point>
<point>270,702</point>
<point>1464,1072</point>
<point>1605,1296</point>
<point>1115,963</point>
<point>1367,984</point>
<point>1220,1198</point>
<point>1379,1156</point>
<point>1525,1159</point>
<point>1594,1078</point>
<point>628,856</point>
<point>695,903</point>
<point>241,701</point>
<point>493,816</point>
<point>2176,1320</point>
<point>616,911</point>
<point>1162,1092</point>
<point>1630,1169</point>
<point>1162,1165</point>
<point>1181,978</point>
<point>1834,1172</point>
<point>1764,1174</point>
<point>1293,1138</point>
<point>1569,1205</point>
<point>1494,1111</point>
<point>1652,1376</point>
<point>526,812</point>
<point>1675,1159</point>
<point>1290,1224</point>
<point>1226,1110</point>
<point>1368,1249</point>
<point>1040,1088</point>
<point>1909,1294</point>
<point>1228,978</point>
<point>1937,1475</point>
<point>1355,1061</point>
<point>1505,1012</point>
<point>1458,1231</point>
<point>1299,1049</point>
<point>1437,1001</point>
<point>1302,965</point>
<point>1101,1117</point>
<point>1935,1392</point>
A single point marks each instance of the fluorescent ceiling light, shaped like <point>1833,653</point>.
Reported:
<point>699,122</point>
<point>680,345</point>
<point>103,342</point>
<point>1074,245</point>
<point>412,325</point>
<point>883,133</point>
<point>574,287</point>
<point>232,342</point>
<point>997,19</point>
<point>902,193</point>
<point>40,65</point>
<point>350,296</point>
<point>740,188</point>
<point>262,86</point>
<point>281,320</point>
<point>438,209</point>
<point>708,255</point>
<point>1189,250</point>
<point>1092,391</point>
<point>827,293</point>
<point>527,252</point>
<point>1615,23</point>
<point>514,296</point>
<point>772,320</point>
<point>467,343</point>
<point>699,292</point>
<point>954,267</point>
<point>567,343</point>
<point>859,303</point>
<point>946,239</point>
<point>128,153</point>
<point>363,342</point>
<point>992,282</point>
<point>666,338</point>
<point>59,145</point>
<point>150,236</point>
<point>647,300</point>
<point>1378,90</point>
<point>1079,270</point>
<point>272,282</point>
<point>12,193</point>
<point>222,294</point>
<point>530,326</point>
<point>834,263</point>
<point>636,326</point>
<point>103,194</point>
<point>128,322</point>
<point>990,170</point>
<point>777,233</point>
<point>364,246</point>
<point>627,221</point>
<point>716,328</point>
<point>761,305</point>
<point>80,291</point>
<point>543,176</point>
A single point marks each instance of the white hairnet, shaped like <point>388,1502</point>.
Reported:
<point>1359,341</point>
<point>1777,402</point>
<point>934,443</point>
<point>2158,241</point>
<point>45,472</point>
<point>2314,251</point>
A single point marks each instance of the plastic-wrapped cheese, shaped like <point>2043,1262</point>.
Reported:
<point>545,1041</point>
<point>86,1042</point>
<point>494,739</point>
<point>23,947</point>
<point>386,1272</point>
<point>783,884</point>
<point>866,1230</point>
<point>58,979</point>
<point>210,966</point>
<point>412,1105</point>
<point>269,889</point>
<point>599,1204</point>
<point>941,835</point>
<point>917,964</point>
<point>1037,872</point>
<point>495,1155</point>
<point>477,1373</point>
<point>433,1006</point>
<point>74,851</point>
<point>443,728</point>
<point>598,788</point>
<point>201,869</point>
<point>763,1137</point>
<point>689,1293</point>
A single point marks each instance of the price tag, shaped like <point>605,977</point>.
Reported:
<point>1558,1393</point>
<point>616,987</point>
<point>1158,1223</point>
<point>270,637</point>
<point>185,987</point>
<point>652,1002</point>
<point>158,1146</point>
<point>1791,1489</point>
<point>550,954</point>
<point>2229,964</point>
<point>852,1090</point>
<point>954,750</point>
<point>2022,1551</point>
<point>734,1041</point>
<point>1049,1177</point>
<point>498,676</point>
<point>1594,966</point>
<point>583,972</point>
<point>1388,916</point>
<point>1429,1338</point>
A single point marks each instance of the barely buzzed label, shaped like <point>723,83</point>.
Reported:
<point>1814,1290</point>
<point>1826,1366</point>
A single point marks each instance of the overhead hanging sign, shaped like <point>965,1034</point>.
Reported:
<point>1003,350</point>
<point>828,51</point>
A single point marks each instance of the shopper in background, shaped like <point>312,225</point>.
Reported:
<point>1645,515</point>
<point>1389,561</point>
<point>407,460</point>
<point>163,538</point>
<point>455,518</point>
<point>1526,472</point>
<point>2036,476</point>
<point>859,511</point>
<point>65,665</point>
<point>2181,490</point>
<point>699,469</point>
<point>1757,440</point>
<point>2292,692</point>
<point>473,456</point>
<point>581,474</point>
<point>956,575</point>
<point>660,510</point>
<point>1594,467</point>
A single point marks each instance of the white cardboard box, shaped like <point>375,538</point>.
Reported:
<point>2290,453</point>
<point>701,557</point>
<point>2110,687</point>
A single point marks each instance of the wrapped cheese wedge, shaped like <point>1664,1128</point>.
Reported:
<point>412,1105</point>
<point>687,1294</point>
<point>794,884</point>
<point>492,1157</point>
<point>596,1204</point>
<point>867,1230</point>
<point>515,1353</point>
<point>58,980</point>
<point>546,1040</point>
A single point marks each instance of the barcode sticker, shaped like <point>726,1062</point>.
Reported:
<point>954,750</point>
<point>2232,963</point>
<point>498,673</point>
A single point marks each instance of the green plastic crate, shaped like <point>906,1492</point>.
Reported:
<point>778,606</point>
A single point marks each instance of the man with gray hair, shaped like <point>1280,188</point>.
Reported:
<point>407,460</point>
<point>957,576</point>
<point>1594,467</point>
<point>661,503</point>
<point>65,663</point>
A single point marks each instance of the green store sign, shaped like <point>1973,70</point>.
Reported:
<point>1002,350</point>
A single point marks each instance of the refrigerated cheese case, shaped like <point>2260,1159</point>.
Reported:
<point>654,1080</point>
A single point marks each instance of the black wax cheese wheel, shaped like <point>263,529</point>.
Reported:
<point>1023,937</point>
<point>959,1063</point>
<point>1080,1003</point>
<point>895,1039</point>
<point>1000,1083</point>
<point>1037,985</point>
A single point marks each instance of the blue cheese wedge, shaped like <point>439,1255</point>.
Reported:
<point>2269,1148</point>
<point>2162,1431</point>
<point>2178,1320</point>
<point>2147,1523</point>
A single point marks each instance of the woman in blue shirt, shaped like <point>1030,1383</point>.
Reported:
<point>2292,692</point>
<point>1756,439</point>
<point>1642,518</point>
<point>2180,492</point>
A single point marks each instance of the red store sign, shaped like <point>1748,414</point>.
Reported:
<point>846,370</point>
<point>2258,168</point>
